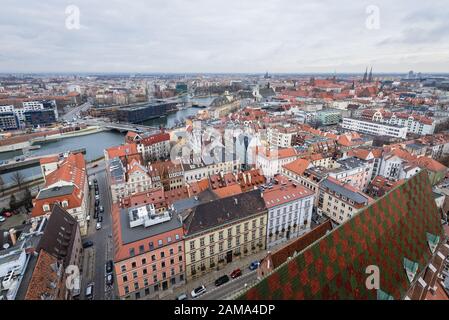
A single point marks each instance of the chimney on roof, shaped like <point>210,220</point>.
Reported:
<point>12,234</point>
<point>236,201</point>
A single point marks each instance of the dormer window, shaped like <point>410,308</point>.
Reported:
<point>46,207</point>
<point>382,295</point>
<point>65,204</point>
<point>432,241</point>
<point>411,268</point>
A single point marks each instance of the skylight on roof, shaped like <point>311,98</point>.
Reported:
<point>433,241</point>
<point>382,295</point>
<point>411,268</point>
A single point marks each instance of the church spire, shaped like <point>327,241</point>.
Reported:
<point>365,76</point>
<point>370,78</point>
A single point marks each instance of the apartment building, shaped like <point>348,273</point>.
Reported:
<point>339,201</point>
<point>221,231</point>
<point>66,186</point>
<point>198,171</point>
<point>270,162</point>
<point>281,137</point>
<point>353,171</point>
<point>414,123</point>
<point>289,211</point>
<point>374,128</point>
<point>148,250</point>
<point>155,146</point>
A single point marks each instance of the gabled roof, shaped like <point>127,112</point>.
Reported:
<point>298,166</point>
<point>383,234</point>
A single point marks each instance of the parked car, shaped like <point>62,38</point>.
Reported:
<point>100,219</point>
<point>90,291</point>
<point>198,291</point>
<point>98,226</point>
<point>87,244</point>
<point>236,273</point>
<point>222,280</point>
<point>2,219</point>
<point>96,192</point>
<point>109,266</point>
<point>7,214</point>
<point>95,181</point>
<point>97,202</point>
<point>96,215</point>
<point>101,209</point>
<point>97,197</point>
<point>182,296</point>
<point>109,279</point>
<point>254,265</point>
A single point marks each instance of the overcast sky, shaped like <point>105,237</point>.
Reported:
<point>224,36</point>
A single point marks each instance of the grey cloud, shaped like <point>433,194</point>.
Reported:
<point>219,36</point>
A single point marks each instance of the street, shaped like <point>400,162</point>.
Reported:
<point>96,256</point>
<point>226,290</point>
<point>73,112</point>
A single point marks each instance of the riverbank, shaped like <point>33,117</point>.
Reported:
<point>64,135</point>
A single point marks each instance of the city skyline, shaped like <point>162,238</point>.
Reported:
<point>228,37</point>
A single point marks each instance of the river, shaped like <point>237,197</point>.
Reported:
<point>94,143</point>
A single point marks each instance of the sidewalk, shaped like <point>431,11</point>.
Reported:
<point>208,279</point>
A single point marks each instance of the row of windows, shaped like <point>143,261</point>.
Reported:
<point>135,274</point>
<point>221,234</point>
<point>221,246</point>
<point>151,245</point>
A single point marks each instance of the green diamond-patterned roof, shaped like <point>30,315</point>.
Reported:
<point>391,229</point>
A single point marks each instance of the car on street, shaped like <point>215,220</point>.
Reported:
<point>96,192</point>
<point>100,219</point>
<point>236,273</point>
<point>2,219</point>
<point>254,265</point>
<point>101,209</point>
<point>90,291</point>
<point>182,296</point>
<point>198,291</point>
<point>96,215</point>
<point>109,279</point>
<point>109,266</point>
<point>97,202</point>
<point>98,226</point>
<point>97,197</point>
<point>222,280</point>
<point>87,244</point>
<point>95,181</point>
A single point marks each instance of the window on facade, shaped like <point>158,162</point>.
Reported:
<point>141,249</point>
<point>133,264</point>
<point>159,243</point>
<point>123,268</point>
<point>153,267</point>
<point>144,261</point>
<point>125,278</point>
<point>192,245</point>
<point>162,254</point>
<point>135,274</point>
<point>202,242</point>
<point>131,252</point>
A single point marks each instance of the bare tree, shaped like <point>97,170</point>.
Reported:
<point>2,183</point>
<point>18,179</point>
